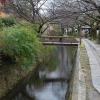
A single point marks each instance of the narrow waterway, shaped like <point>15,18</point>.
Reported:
<point>53,90</point>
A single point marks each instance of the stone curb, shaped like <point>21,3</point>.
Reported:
<point>79,88</point>
<point>93,63</point>
<point>82,83</point>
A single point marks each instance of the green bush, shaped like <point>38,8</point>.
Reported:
<point>7,21</point>
<point>21,43</point>
<point>1,24</point>
<point>35,27</point>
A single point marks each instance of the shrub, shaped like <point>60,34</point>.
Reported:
<point>21,43</point>
<point>1,24</point>
<point>35,26</point>
<point>7,22</point>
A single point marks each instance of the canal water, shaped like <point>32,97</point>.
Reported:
<point>39,90</point>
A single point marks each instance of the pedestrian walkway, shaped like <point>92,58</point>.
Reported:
<point>93,52</point>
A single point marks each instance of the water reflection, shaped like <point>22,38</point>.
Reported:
<point>51,91</point>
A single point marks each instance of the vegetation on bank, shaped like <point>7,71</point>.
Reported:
<point>7,22</point>
<point>19,42</point>
<point>20,52</point>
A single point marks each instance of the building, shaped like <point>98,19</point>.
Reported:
<point>85,30</point>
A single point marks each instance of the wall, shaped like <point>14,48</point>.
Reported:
<point>77,87</point>
<point>11,77</point>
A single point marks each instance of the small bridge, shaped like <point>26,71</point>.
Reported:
<point>60,43</point>
<point>54,80</point>
<point>59,40</point>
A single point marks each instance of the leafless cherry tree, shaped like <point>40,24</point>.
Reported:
<point>32,11</point>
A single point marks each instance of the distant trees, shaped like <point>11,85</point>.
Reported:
<point>32,11</point>
<point>69,13</point>
<point>76,13</point>
<point>4,1</point>
<point>66,12</point>
<point>94,15</point>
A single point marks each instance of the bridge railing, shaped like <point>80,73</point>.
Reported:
<point>59,40</point>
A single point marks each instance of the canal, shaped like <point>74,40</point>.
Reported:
<point>58,73</point>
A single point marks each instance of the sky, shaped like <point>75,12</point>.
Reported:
<point>45,6</point>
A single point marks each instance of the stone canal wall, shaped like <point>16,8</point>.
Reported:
<point>11,78</point>
<point>77,88</point>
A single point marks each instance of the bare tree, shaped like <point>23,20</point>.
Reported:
<point>82,12</point>
<point>94,14</point>
<point>66,12</point>
<point>32,11</point>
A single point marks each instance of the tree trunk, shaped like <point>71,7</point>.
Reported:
<point>39,29</point>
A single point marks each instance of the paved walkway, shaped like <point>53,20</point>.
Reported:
<point>93,51</point>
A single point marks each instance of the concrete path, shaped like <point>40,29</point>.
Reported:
<point>93,51</point>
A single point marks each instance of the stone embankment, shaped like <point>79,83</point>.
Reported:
<point>81,86</point>
<point>78,83</point>
<point>11,78</point>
